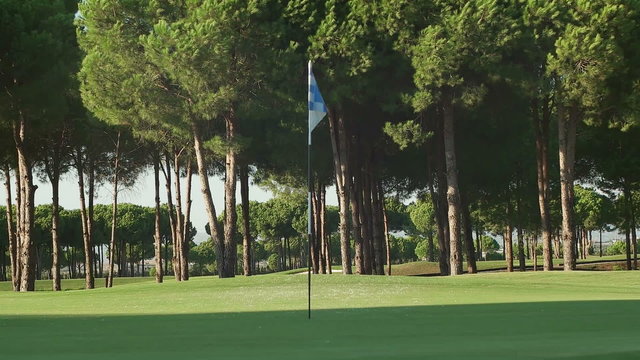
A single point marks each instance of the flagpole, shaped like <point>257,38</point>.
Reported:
<point>317,110</point>
<point>309,223</point>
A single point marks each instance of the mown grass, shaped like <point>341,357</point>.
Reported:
<point>78,284</point>
<point>432,268</point>
<point>579,315</point>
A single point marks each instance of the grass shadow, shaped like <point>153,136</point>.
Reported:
<point>539,330</point>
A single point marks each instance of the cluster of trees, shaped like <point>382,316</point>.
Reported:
<point>134,245</point>
<point>450,99</point>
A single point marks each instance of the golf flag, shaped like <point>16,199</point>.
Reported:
<point>317,107</point>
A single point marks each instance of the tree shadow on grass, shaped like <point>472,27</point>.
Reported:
<point>541,330</point>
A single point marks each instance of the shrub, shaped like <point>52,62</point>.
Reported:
<point>617,248</point>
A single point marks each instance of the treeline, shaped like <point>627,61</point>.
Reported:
<point>134,246</point>
<point>465,103</point>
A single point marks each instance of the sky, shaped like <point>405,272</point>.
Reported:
<point>142,193</point>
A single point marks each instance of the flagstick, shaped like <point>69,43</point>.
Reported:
<point>309,222</point>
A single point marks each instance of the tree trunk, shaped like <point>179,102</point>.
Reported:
<point>172,214</point>
<point>90,212</point>
<point>11,233</point>
<point>453,193</point>
<point>478,244</point>
<point>230,219</point>
<point>179,219</point>
<point>313,238</point>
<point>326,238</point>
<point>443,257</point>
<point>55,224</point>
<point>634,239</point>
<point>521,247</point>
<point>319,231</point>
<point>534,257</point>
<point>206,194</point>
<point>386,231</point>
<point>355,227</point>
<point>339,153</point>
<point>157,236</point>
<point>468,237</point>
<point>567,140</point>
<point>627,239</point>
<point>132,271</point>
<point>508,240</point>
<point>246,230</point>
<point>630,224</point>
<point>508,247</point>
<point>89,281</point>
<point>26,210</point>
<point>600,242</point>
<point>541,125</point>
<point>186,232</point>
<point>378,227</point>
<point>114,214</point>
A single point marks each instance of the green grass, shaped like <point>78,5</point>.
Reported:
<point>432,268</point>
<point>78,284</point>
<point>579,315</point>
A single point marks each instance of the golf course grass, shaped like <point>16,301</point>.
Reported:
<point>432,268</point>
<point>578,315</point>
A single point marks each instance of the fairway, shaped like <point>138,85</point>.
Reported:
<point>579,315</point>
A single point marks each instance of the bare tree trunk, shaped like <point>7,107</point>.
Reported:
<point>179,218</point>
<point>90,213</point>
<point>600,242</point>
<point>355,227</point>
<point>453,193</point>
<point>541,125</point>
<point>326,239</point>
<point>378,227</point>
<point>316,243</point>
<point>26,211</point>
<point>508,240</point>
<point>318,229</point>
<point>186,232</point>
<point>634,239</point>
<point>567,140</point>
<point>341,188</point>
<point>55,223</point>
<point>89,281</point>
<point>508,247</point>
<point>313,238</point>
<point>630,224</point>
<point>521,247</point>
<point>534,257</point>
<point>157,236</point>
<point>627,239</point>
<point>556,245</point>
<point>386,231</point>
<point>114,214</point>
<point>439,213</point>
<point>19,225</point>
<point>364,216</point>
<point>11,232</point>
<point>367,219</point>
<point>206,194</point>
<point>246,229</point>
<point>468,237</point>
<point>166,171</point>
<point>230,219</point>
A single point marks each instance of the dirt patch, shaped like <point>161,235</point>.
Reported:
<point>604,266</point>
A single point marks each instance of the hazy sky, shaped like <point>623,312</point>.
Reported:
<point>143,194</point>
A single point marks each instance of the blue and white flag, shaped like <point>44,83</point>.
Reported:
<point>317,107</point>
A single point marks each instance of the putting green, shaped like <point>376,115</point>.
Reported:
<point>580,315</point>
